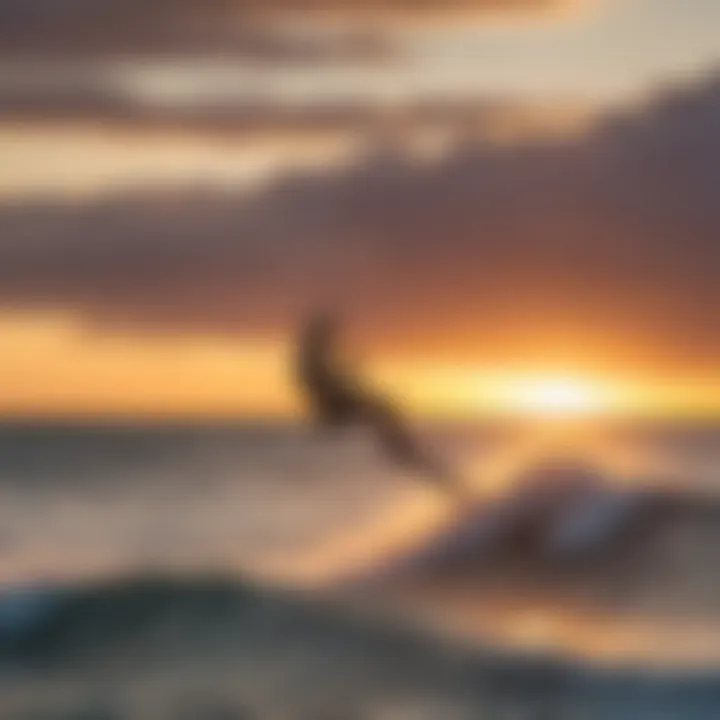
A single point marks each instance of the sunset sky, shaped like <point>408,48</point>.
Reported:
<point>514,203</point>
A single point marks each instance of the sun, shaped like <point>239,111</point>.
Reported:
<point>555,395</point>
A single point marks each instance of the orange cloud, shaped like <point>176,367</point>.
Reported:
<point>408,9</point>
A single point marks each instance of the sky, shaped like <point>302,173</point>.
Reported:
<point>495,195</point>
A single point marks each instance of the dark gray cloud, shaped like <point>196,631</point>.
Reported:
<point>610,240</point>
<point>77,29</point>
<point>250,27</point>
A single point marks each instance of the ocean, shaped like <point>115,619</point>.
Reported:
<point>273,499</point>
<point>281,508</point>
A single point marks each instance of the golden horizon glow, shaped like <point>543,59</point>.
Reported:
<point>53,365</point>
<point>554,395</point>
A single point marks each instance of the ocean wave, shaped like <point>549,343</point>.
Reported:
<point>274,651</point>
<point>568,532</point>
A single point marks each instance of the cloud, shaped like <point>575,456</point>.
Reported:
<point>87,136</point>
<point>606,245</point>
<point>260,28</point>
<point>106,107</point>
<point>77,29</point>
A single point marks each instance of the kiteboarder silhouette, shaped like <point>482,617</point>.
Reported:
<point>338,398</point>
